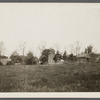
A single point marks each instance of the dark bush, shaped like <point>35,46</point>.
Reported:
<point>10,63</point>
<point>1,63</point>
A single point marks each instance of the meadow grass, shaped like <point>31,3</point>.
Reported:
<point>71,77</point>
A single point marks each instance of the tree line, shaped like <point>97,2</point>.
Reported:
<point>30,59</point>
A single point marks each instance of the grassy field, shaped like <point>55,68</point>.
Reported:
<point>50,78</point>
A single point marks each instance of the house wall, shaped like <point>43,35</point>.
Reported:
<point>4,61</point>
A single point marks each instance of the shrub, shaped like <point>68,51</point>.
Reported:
<point>1,63</point>
<point>10,63</point>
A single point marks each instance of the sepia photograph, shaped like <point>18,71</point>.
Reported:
<point>49,47</point>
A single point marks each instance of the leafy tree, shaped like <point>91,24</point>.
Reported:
<point>45,54</point>
<point>35,60</point>
<point>71,56</point>
<point>16,58</point>
<point>43,59</point>
<point>89,49</point>
<point>58,56</point>
<point>31,59</point>
<point>65,56</point>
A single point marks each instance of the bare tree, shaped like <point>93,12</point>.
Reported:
<point>56,46</point>
<point>42,46</point>
<point>77,47</point>
<point>14,53</point>
<point>23,49</point>
<point>2,49</point>
<point>71,47</point>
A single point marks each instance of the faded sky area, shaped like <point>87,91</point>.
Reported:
<point>59,24</point>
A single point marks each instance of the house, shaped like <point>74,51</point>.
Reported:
<point>4,60</point>
<point>95,57</point>
<point>83,58</point>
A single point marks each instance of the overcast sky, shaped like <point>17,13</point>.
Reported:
<point>56,24</point>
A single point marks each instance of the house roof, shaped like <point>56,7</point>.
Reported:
<point>83,55</point>
<point>3,57</point>
<point>94,55</point>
